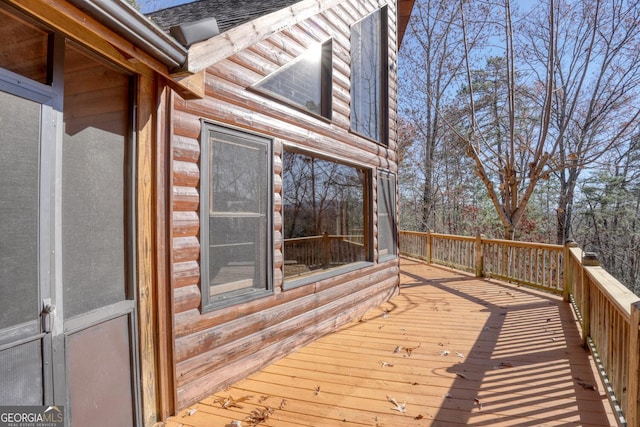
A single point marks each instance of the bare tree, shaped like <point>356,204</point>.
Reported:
<point>596,80</point>
<point>511,166</point>
<point>433,60</point>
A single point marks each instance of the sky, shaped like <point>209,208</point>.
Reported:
<point>147,6</point>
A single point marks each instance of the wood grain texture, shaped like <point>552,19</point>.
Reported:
<point>514,358</point>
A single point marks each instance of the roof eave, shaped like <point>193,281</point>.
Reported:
<point>130,24</point>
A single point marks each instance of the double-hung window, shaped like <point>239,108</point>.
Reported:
<point>369,89</point>
<point>236,238</point>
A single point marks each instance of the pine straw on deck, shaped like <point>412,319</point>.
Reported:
<point>450,350</point>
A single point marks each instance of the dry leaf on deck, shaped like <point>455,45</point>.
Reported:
<point>460,355</point>
<point>191,412</point>
<point>316,391</point>
<point>444,353</point>
<point>477,401</point>
<point>258,416</point>
<point>230,402</point>
<point>398,349</point>
<point>385,364</point>
<point>400,407</point>
<point>461,375</point>
<point>410,350</point>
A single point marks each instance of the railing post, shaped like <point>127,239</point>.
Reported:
<point>479,256</point>
<point>326,249</point>
<point>429,246</point>
<point>567,285</point>
<point>632,413</point>
<point>590,259</point>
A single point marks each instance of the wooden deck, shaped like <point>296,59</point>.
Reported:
<point>449,350</point>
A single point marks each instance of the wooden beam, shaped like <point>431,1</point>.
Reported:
<point>206,53</point>
<point>145,253</point>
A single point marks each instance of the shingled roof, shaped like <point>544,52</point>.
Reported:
<point>228,13</point>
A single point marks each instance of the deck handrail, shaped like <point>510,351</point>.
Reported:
<point>608,312</point>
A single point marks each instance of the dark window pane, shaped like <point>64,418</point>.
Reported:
<point>304,81</point>
<point>19,153</point>
<point>96,118</point>
<point>366,74</point>
<point>323,208</point>
<point>24,48</point>
<point>386,214</point>
<point>239,194</point>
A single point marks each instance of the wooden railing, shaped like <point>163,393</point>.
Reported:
<point>323,251</point>
<point>608,312</point>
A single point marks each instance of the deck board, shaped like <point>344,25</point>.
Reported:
<point>448,343</point>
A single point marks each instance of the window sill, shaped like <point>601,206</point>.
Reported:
<point>226,300</point>
<point>324,274</point>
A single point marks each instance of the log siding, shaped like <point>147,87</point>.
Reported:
<point>215,349</point>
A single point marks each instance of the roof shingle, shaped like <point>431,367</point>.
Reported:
<point>228,13</point>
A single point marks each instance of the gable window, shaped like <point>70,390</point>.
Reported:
<point>305,82</point>
<point>236,242</point>
<point>369,76</point>
<point>387,240</point>
<point>325,214</point>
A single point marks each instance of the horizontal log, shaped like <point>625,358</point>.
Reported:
<point>234,371</point>
<point>188,325</point>
<point>190,346</point>
<point>186,149</point>
<point>277,259</point>
<point>277,183</point>
<point>186,249</point>
<point>185,174</point>
<point>277,240</point>
<point>185,124</point>
<point>277,202</point>
<point>276,119</point>
<point>337,312</point>
<point>186,298</point>
<point>185,198</point>
<point>185,223</point>
<point>186,273</point>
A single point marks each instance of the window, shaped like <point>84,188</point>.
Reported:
<point>236,242</point>
<point>324,213</point>
<point>369,76</point>
<point>387,241</point>
<point>305,82</point>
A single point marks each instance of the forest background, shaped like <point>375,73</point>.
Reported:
<point>520,120</point>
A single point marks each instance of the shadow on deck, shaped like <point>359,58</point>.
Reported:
<point>449,350</point>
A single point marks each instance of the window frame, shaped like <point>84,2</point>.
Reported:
<point>367,209</point>
<point>391,179</point>
<point>383,75</point>
<point>326,84</point>
<point>229,298</point>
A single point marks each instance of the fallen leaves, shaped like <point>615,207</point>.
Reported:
<point>400,407</point>
<point>503,365</point>
<point>585,385</point>
<point>230,402</point>
<point>259,415</point>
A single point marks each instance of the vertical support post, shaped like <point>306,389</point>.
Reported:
<point>590,259</point>
<point>567,279</point>
<point>632,414</point>
<point>429,242</point>
<point>479,256</point>
<point>326,249</point>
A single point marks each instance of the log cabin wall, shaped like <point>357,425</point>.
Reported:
<point>216,348</point>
